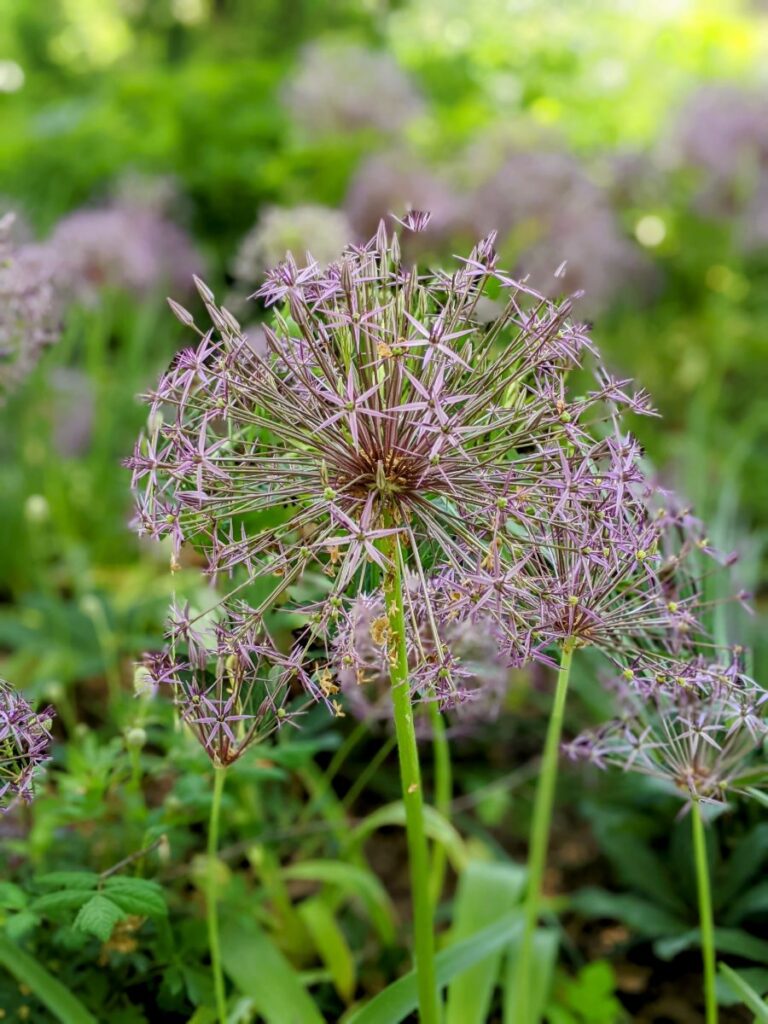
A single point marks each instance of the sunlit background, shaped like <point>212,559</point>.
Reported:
<point>142,141</point>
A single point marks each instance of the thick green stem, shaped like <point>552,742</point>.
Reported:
<point>443,794</point>
<point>410,777</point>
<point>706,924</point>
<point>539,842</point>
<point>212,895</point>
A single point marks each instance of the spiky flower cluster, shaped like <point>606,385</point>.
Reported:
<point>340,88</point>
<point>25,736</point>
<point>311,231</point>
<point>696,732</point>
<point>123,246</point>
<point>386,407</point>
<point>228,679</point>
<point>30,306</point>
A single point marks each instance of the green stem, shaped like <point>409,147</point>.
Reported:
<point>443,794</point>
<point>410,777</point>
<point>706,924</point>
<point>212,895</point>
<point>542,820</point>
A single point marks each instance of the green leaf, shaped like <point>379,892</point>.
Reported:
<point>749,997</point>
<point>331,944</point>
<point>485,892</point>
<point>260,971</point>
<point>545,945</point>
<point>67,900</point>
<point>727,940</point>
<point>137,896</point>
<point>12,897</point>
<point>744,863</point>
<point>64,1006</point>
<point>642,916</point>
<point>400,998</point>
<point>753,901</point>
<point>68,880</point>
<point>354,881</point>
<point>438,828</point>
<point>99,916</point>
<point>17,926</point>
<point>635,862</point>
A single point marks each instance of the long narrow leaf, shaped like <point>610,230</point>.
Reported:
<point>486,891</point>
<point>260,971</point>
<point>331,944</point>
<point>436,826</point>
<point>749,997</point>
<point>49,990</point>
<point>354,881</point>
<point>545,945</point>
<point>395,1002</point>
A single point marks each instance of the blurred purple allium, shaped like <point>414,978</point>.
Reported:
<point>697,729</point>
<point>558,225</point>
<point>471,674</point>
<point>72,410</point>
<point>312,232</point>
<point>25,736</point>
<point>124,247</point>
<point>398,180</point>
<point>229,681</point>
<point>721,135</point>
<point>340,88</point>
<point>30,306</point>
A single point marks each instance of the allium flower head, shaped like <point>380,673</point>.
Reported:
<point>385,406</point>
<point>126,247</point>
<point>30,306</point>
<point>312,232</point>
<point>340,88</point>
<point>697,731</point>
<point>228,680</point>
<point>25,736</point>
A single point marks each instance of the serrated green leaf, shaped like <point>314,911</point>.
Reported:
<point>64,1006</point>
<point>485,892</point>
<point>746,993</point>
<point>259,970</point>
<point>99,916</point>
<point>397,1000</point>
<point>12,897</point>
<point>68,880</point>
<point>137,896</point>
<point>331,945</point>
<point>354,881</point>
<point>59,902</point>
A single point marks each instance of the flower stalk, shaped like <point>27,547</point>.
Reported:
<point>212,887</point>
<point>706,923</point>
<point>413,800</point>
<point>542,820</point>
